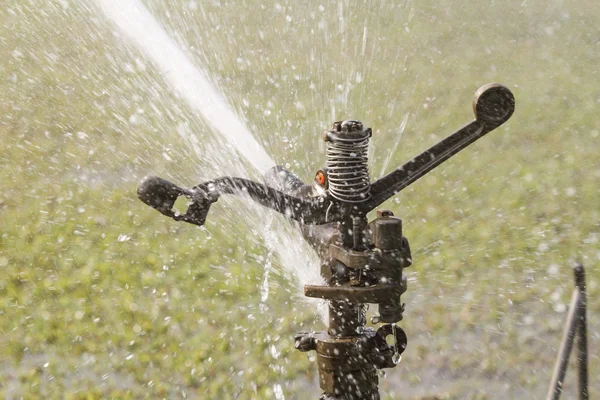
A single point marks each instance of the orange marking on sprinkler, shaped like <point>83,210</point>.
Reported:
<point>321,178</point>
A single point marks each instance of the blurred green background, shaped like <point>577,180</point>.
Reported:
<point>102,297</point>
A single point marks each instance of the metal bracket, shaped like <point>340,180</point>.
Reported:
<point>576,327</point>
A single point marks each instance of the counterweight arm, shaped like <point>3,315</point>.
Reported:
<point>493,105</point>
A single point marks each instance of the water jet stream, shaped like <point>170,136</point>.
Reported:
<point>140,26</point>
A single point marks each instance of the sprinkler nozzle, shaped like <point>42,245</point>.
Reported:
<point>161,195</point>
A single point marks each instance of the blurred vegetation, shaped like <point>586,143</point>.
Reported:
<point>101,297</point>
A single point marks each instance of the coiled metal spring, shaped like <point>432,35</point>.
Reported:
<point>347,169</point>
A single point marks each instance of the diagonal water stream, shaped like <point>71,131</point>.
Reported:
<point>140,26</point>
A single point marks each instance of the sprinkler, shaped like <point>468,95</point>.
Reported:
<point>362,262</point>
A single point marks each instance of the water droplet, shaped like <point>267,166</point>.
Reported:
<point>278,391</point>
<point>275,353</point>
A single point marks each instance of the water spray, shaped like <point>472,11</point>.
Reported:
<point>362,262</point>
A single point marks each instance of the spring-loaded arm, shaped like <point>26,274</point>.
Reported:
<point>161,195</point>
<point>493,105</point>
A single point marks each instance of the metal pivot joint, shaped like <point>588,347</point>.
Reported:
<point>362,262</point>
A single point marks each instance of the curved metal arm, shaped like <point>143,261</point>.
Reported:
<point>493,105</point>
<point>161,195</point>
<point>306,210</point>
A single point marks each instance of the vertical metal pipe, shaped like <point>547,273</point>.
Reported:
<point>359,225</point>
<point>345,318</point>
<point>582,348</point>
<point>560,368</point>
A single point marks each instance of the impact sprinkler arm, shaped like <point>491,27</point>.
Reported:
<point>493,105</point>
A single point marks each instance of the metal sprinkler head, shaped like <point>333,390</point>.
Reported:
<point>362,262</point>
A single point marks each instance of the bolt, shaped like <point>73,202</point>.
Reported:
<point>347,129</point>
<point>351,126</point>
<point>384,213</point>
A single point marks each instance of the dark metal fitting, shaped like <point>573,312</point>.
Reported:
<point>493,104</point>
<point>347,130</point>
<point>386,231</point>
<point>354,259</point>
<point>359,294</point>
<point>384,213</point>
<point>391,311</point>
<point>351,126</point>
<point>383,356</point>
<point>305,341</point>
<point>347,126</point>
<point>334,272</point>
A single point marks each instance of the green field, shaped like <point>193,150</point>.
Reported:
<point>102,297</point>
